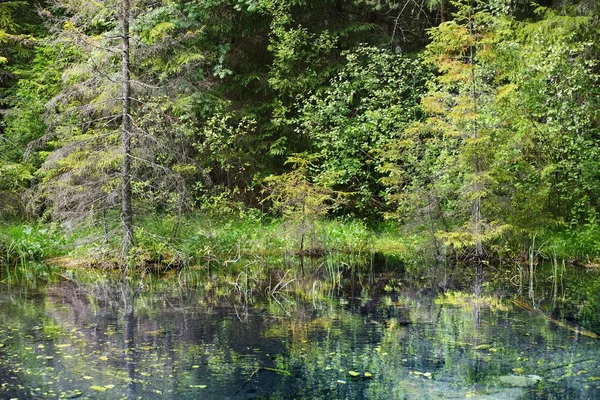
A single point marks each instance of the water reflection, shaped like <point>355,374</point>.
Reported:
<point>376,337</point>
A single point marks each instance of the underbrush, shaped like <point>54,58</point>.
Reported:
<point>577,245</point>
<point>225,245</point>
<point>22,243</point>
<point>197,242</point>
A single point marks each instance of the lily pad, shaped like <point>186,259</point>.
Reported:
<point>72,394</point>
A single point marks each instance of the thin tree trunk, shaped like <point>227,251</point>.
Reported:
<point>442,12</point>
<point>477,167</point>
<point>126,211</point>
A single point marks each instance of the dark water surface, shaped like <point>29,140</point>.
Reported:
<point>380,337</point>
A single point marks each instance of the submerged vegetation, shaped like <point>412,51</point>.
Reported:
<point>366,335</point>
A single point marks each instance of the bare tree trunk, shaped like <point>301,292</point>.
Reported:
<point>442,12</point>
<point>478,228</point>
<point>126,209</point>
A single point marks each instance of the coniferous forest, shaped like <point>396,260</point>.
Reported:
<point>151,130</point>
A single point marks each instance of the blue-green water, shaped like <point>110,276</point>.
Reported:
<point>379,337</point>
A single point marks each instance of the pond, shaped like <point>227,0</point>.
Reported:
<point>375,335</point>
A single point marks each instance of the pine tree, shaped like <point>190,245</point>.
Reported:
<point>453,147</point>
<point>120,59</point>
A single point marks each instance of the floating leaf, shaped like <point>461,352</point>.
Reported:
<point>427,375</point>
<point>341,382</point>
<point>98,388</point>
<point>368,375</point>
<point>195,366</point>
<point>353,373</point>
<point>103,358</point>
<point>62,346</point>
<point>72,394</point>
<point>109,386</point>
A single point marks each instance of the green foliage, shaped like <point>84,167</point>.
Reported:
<point>579,245</point>
<point>82,119</point>
<point>509,140</point>
<point>222,145</point>
<point>16,39</point>
<point>298,198</point>
<point>455,143</point>
<point>498,145</point>
<point>553,112</point>
<point>352,120</point>
<point>22,244</point>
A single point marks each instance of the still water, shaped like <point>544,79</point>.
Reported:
<point>378,335</point>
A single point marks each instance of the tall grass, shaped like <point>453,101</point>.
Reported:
<point>24,243</point>
<point>580,244</point>
<point>250,253</point>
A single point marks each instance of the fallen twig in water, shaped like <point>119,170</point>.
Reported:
<point>573,327</point>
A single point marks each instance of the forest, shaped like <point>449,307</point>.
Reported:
<point>300,199</point>
<point>173,131</point>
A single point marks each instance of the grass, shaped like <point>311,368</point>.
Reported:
<point>22,243</point>
<point>578,245</point>
<point>253,244</point>
<point>213,245</point>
